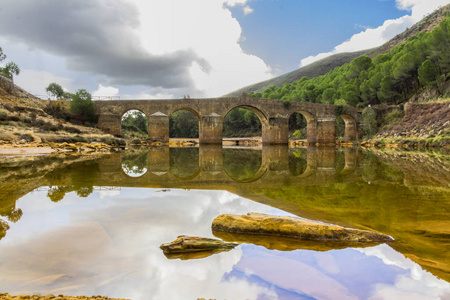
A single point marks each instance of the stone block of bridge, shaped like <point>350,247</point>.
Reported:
<point>158,160</point>
<point>210,129</point>
<point>110,123</point>
<point>275,131</point>
<point>211,158</point>
<point>326,130</point>
<point>276,158</point>
<point>158,127</point>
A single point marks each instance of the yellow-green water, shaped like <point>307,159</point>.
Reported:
<point>93,225</point>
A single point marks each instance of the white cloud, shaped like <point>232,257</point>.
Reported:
<point>105,91</point>
<point>247,10</point>
<point>373,37</point>
<point>214,36</point>
<point>35,82</point>
<point>189,46</point>
<point>418,284</point>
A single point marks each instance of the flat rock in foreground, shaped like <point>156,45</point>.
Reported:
<point>188,244</point>
<point>282,243</point>
<point>261,224</point>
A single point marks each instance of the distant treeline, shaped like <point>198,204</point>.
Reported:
<point>391,78</point>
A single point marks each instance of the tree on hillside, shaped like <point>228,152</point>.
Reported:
<point>2,56</point>
<point>369,122</point>
<point>10,69</point>
<point>429,75</point>
<point>135,121</point>
<point>82,106</point>
<point>183,124</point>
<point>55,90</point>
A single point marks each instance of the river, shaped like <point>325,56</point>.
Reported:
<point>92,225</point>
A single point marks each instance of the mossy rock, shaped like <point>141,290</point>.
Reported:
<point>261,224</point>
<point>189,244</point>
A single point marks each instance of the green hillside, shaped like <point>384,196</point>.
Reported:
<point>423,61</point>
<point>327,64</point>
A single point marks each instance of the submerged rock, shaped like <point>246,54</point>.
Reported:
<point>189,244</point>
<point>261,224</point>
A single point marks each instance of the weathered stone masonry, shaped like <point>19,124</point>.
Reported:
<point>273,114</point>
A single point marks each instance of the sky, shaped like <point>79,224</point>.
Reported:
<point>165,49</point>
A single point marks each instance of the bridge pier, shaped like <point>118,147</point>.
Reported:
<point>326,130</point>
<point>110,123</point>
<point>210,129</point>
<point>275,131</point>
<point>158,160</point>
<point>276,158</point>
<point>211,158</point>
<point>350,130</point>
<point>158,127</point>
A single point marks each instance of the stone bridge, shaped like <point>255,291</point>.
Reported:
<point>273,114</point>
<point>211,173</point>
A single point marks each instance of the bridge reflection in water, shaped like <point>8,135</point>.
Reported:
<point>350,187</point>
<point>212,165</point>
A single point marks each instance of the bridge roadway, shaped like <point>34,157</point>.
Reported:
<point>273,114</point>
<point>274,171</point>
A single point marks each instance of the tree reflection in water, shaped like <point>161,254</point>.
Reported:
<point>135,162</point>
<point>297,162</point>
<point>241,164</point>
<point>184,162</point>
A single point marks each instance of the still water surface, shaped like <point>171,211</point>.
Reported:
<point>93,226</point>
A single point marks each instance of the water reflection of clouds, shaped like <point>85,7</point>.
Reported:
<point>108,244</point>
<point>414,283</point>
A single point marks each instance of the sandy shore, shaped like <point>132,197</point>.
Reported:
<point>24,151</point>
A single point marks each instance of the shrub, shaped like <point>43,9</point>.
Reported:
<point>369,122</point>
<point>27,137</point>
<point>72,129</point>
<point>393,117</point>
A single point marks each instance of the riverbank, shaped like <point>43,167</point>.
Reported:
<point>27,149</point>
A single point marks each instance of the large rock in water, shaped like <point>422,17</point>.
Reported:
<point>189,244</point>
<point>261,224</point>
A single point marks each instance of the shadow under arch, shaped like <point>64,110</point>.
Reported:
<point>350,134</point>
<point>311,126</point>
<point>134,162</point>
<point>244,165</point>
<point>184,163</point>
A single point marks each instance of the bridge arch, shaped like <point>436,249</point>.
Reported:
<point>244,165</point>
<point>350,134</point>
<point>262,116</point>
<point>184,163</point>
<point>184,123</point>
<point>243,117</point>
<point>311,124</point>
<point>135,121</point>
<point>135,163</point>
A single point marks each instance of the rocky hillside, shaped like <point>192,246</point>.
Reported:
<point>327,64</point>
<point>24,119</point>
<point>423,125</point>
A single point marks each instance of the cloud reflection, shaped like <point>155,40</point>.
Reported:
<point>109,245</point>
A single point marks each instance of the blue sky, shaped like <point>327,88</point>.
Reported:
<point>283,32</point>
<point>162,49</point>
